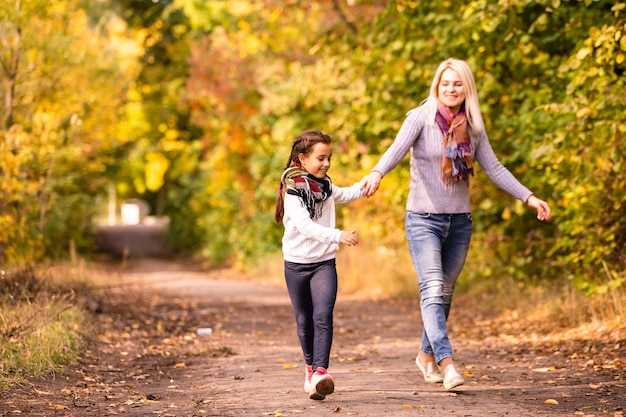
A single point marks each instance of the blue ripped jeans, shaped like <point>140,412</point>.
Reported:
<point>313,291</point>
<point>438,244</point>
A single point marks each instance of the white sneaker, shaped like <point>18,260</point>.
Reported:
<point>322,384</point>
<point>431,371</point>
<point>307,378</point>
<point>451,377</point>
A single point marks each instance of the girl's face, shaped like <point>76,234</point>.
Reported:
<point>317,162</point>
<point>450,90</point>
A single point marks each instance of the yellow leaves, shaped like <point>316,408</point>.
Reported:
<point>467,374</point>
<point>583,52</point>
<point>410,407</point>
<point>156,167</point>
<point>286,365</point>
<point>58,407</point>
<point>401,5</point>
<point>551,402</point>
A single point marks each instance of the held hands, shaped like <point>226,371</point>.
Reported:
<point>370,183</point>
<point>543,210</point>
<point>349,238</point>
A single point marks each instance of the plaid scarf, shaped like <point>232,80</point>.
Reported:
<point>311,190</point>
<point>456,164</point>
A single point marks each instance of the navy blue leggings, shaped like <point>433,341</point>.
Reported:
<point>313,291</point>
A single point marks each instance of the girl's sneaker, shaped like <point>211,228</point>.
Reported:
<point>322,384</point>
<point>307,378</point>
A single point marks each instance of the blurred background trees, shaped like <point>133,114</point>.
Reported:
<point>192,106</point>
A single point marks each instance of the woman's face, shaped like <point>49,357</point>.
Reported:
<point>317,162</point>
<point>450,90</point>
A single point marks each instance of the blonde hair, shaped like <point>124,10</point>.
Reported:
<point>472,108</point>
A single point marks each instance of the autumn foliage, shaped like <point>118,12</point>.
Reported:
<point>192,106</point>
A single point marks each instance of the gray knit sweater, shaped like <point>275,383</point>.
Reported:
<point>427,192</point>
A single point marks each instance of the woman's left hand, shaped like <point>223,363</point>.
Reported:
<point>370,183</point>
<point>543,209</point>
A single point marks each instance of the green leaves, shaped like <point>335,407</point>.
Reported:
<point>59,135</point>
<point>193,105</point>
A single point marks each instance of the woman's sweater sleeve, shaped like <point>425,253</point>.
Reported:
<point>497,172</point>
<point>409,131</point>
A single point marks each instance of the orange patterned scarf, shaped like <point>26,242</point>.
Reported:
<point>456,164</point>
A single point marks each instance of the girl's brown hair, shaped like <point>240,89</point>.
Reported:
<point>302,145</point>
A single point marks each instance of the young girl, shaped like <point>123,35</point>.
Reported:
<point>310,243</point>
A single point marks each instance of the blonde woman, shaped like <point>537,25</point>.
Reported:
<point>444,135</point>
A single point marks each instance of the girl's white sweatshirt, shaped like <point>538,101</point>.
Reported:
<point>308,241</point>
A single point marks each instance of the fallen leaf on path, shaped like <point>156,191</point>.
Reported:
<point>53,406</point>
<point>180,365</point>
<point>289,366</point>
<point>546,369</point>
<point>407,406</point>
<point>551,401</point>
<point>280,361</point>
<point>595,386</point>
<point>337,409</point>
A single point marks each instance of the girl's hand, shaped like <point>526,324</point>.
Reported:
<point>543,209</point>
<point>349,238</point>
<point>371,182</point>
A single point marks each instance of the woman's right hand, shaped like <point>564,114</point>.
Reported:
<point>371,182</point>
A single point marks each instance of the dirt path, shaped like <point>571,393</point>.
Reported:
<point>148,361</point>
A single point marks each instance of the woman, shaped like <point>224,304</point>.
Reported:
<point>445,134</point>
